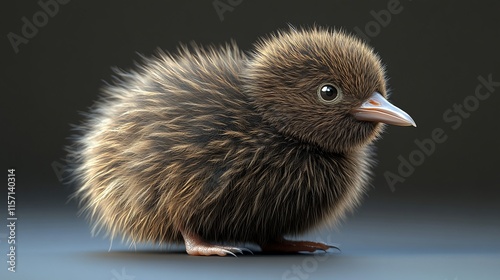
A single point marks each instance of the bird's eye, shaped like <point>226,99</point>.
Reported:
<point>329,93</point>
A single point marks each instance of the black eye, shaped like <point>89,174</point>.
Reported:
<point>328,93</point>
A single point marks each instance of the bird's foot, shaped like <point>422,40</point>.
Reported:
<point>289,246</point>
<point>196,246</point>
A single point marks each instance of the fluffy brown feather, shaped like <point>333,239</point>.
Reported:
<point>231,146</point>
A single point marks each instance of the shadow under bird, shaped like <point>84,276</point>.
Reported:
<point>216,147</point>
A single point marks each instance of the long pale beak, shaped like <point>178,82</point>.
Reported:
<point>378,109</point>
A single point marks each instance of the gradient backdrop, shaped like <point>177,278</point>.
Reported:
<point>439,217</point>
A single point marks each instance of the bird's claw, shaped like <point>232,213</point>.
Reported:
<point>196,246</point>
<point>246,250</point>
<point>289,246</point>
<point>333,247</point>
<point>206,249</point>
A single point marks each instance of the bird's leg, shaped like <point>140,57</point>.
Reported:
<point>282,245</point>
<point>196,246</point>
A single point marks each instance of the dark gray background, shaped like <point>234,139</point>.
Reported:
<point>442,222</point>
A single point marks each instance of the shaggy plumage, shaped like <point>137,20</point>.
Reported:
<point>229,146</point>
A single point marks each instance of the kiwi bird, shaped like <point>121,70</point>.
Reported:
<point>214,147</point>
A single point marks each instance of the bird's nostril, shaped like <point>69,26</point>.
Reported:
<point>374,103</point>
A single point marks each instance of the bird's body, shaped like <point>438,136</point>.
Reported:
<point>196,147</point>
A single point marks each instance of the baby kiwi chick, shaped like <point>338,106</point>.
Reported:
<point>214,146</point>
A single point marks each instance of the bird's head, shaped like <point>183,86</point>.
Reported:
<point>321,87</point>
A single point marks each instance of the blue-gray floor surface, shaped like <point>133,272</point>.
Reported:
<point>378,241</point>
